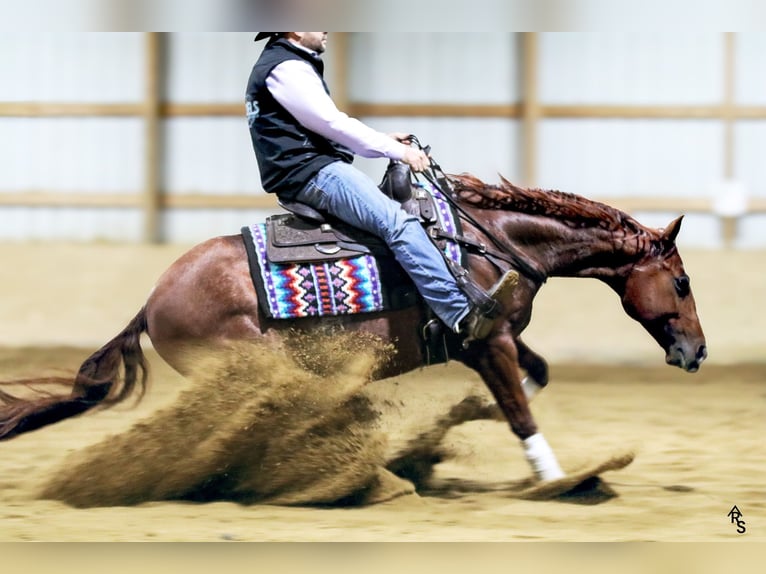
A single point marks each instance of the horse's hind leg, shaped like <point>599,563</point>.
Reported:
<point>536,368</point>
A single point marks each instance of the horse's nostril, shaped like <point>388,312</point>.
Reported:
<point>702,352</point>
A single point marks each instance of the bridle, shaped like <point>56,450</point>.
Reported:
<point>508,254</point>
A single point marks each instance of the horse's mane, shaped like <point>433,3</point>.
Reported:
<point>573,210</point>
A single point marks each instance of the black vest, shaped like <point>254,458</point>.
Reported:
<point>288,154</point>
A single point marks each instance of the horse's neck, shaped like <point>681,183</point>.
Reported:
<point>563,250</point>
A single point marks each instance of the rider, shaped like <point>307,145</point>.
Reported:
<point>304,146</point>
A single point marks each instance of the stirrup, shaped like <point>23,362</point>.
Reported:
<point>477,324</point>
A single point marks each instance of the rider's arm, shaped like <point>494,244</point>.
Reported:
<point>297,87</point>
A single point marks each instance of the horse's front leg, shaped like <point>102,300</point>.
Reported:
<point>536,368</point>
<point>497,362</point>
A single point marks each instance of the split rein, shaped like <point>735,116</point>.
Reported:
<point>506,253</point>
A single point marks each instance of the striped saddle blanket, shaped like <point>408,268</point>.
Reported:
<point>363,283</point>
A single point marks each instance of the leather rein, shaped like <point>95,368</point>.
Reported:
<point>506,253</point>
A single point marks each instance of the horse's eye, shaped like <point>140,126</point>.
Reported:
<point>682,285</point>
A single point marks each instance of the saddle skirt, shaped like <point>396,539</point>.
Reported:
<point>303,268</point>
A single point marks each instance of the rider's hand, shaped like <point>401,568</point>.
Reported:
<point>400,137</point>
<point>416,159</point>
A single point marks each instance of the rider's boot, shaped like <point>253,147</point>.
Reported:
<point>477,324</point>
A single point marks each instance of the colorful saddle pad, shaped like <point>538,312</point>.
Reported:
<point>360,284</point>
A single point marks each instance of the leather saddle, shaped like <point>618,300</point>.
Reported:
<point>308,235</point>
<point>293,237</point>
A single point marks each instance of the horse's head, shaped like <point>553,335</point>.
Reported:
<point>657,294</point>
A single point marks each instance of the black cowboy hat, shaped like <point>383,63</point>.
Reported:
<point>264,35</point>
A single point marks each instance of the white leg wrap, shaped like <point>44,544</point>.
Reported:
<point>530,387</point>
<point>541,458</point>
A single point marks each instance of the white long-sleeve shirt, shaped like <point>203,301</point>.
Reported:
<point>298,88</point>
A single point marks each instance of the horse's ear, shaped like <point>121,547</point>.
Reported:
<point>670,233</point>
<point>665,243</point>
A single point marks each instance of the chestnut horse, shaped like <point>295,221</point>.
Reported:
<point>207,298</point>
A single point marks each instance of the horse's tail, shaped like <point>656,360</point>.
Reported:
<point>98,382</point>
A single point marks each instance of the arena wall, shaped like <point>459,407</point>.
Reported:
<point>140,137</point>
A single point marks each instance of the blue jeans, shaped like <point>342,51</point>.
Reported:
<point>348,194</point>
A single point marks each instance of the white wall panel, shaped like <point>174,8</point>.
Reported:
<point>434,67</point>
<point>70,224</point>
<point>656,158</point>
<point>749,165</point>
<point>209,155</point>
<point>482,146</point>
<point>752,234</point>
<point>196,225</point>
<point>72,67</point>
<point>209,67</point>
<point>71,154</point>
<point>749,77</point>
<point>631,68</point>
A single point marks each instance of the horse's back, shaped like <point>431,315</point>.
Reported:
<point>207,297</point>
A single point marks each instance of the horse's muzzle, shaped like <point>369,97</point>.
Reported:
<point>689,362</point>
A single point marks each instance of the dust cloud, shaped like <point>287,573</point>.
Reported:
<point>259,423</point>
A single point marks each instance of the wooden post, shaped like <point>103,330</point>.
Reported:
<point>530,107</point>
<point>340,71</point>
<point>152,150</point>
<point>729,225</point>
